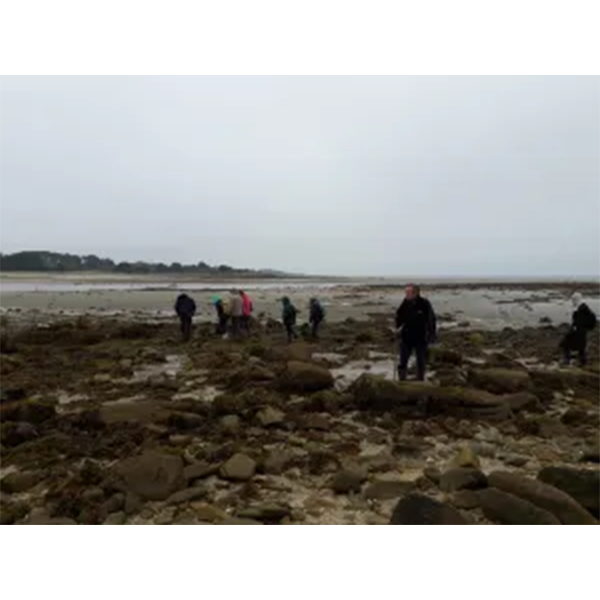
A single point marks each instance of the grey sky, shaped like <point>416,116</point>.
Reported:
<point>479,176</point>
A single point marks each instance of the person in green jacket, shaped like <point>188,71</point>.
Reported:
<point>289,318</point>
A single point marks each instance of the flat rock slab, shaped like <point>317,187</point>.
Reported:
<point>239,467</point>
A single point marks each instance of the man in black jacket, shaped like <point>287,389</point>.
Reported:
<point>583,320</point>
<point>185,307</point>
<point>416,326</point>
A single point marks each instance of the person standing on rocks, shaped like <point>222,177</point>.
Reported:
<point>236,307</point>
<point>316,316</point>
<point>583,320</point>
<point>222,315</point>
<point>246,312</point>
<point>416,327</point>
<point>289,318</point>
<point>185,307</point>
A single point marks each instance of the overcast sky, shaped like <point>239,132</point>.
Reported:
<point>480,176</point>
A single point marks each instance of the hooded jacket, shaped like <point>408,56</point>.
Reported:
<point>317,314</point>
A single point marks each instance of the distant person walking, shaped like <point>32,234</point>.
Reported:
<point>289,315</point>
<point>583,320</point>
<point>416,327</point>
<point>222,315</point>
<point>185,307</point>
<point>247,309</point>
<point>236,307</point>
<point>316,317</point>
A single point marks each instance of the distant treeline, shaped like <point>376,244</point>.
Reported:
<point>57,262</point>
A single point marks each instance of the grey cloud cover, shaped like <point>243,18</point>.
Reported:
<point>473,176</point>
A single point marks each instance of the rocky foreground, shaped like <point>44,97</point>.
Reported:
<point>117,422</point>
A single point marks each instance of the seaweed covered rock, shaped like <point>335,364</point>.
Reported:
<point>500,381</point>
<point>27,411</point>
<point>507,509</point>
<point>305,377</point>
<point>151,476</point>
<point>581,484</point>
<point>376,393</point>
<point>417,509</point>
<point>545,496</point>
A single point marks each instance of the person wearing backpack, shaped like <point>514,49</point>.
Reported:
<point>289,318</point>
<point>316,316</point>
<point>583,321</point>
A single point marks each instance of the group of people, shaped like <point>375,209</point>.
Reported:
<point>234,315</point>
<point>415,323</point>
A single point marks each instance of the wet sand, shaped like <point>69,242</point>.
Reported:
<point>485,306</point>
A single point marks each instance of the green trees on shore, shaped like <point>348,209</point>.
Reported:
<point>58,262</point>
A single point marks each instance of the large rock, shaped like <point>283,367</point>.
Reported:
<point>581,484</point>
<point>566,379</point>
<point>27,411</point>
<point>545,496</point>
<point>439,355</point>
<point>239,467</point>
<point>507,509</point>
<point>305,377</point>
<point>266,513</point>
<point>388,490</point>
<point>269,416</point>
<point>458,479</point>
<point>416,509</point>
<point>465,458</point>
<point>523,401</point>
<point>16,483</point>
<point>348,480</point>
<point>376,393</point>
<point>500,381</point>
<point>151,476</point>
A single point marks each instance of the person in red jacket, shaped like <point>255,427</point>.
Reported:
<point>246,312</point>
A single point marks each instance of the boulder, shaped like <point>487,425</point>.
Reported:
<point>12,512</point>
<point>151,476</point>
<point>416,509</point>
<point>208,512</point>
<point>133,504</point>
<point>117,518</point>
<point>231,423</point>
<point>458,479</point>
<point>433,474</point>
<point>317,421</point>
<point>225,404</point>
<point>504,508</point>
<point>14,434</point>
<point>376,393</point>
<point>545,496</point>
<point>239,467</point>
<point>439,355</point>
<point>581,484</point>
<point>187,495</point>
<point>276,462</point>
<point>305,377</point>
<point>591,453</point>
<point>575,416</point>
<point>348,480</point>
<point>523,401</point>
<point>566,379</point>
<point>18,482</point>
<point>500,381</point>
<point>465,499</point>
<point>388,490</point>
<point>270,416</point>
<point>266,512</point>
<point>199,470</point>
<point>465,458</point>
<point>27,411</point>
